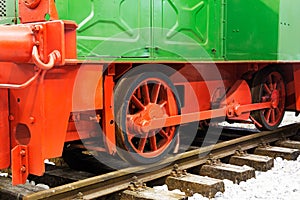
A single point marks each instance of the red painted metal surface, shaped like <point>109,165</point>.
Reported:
<point>4,133</point>
<point>53,37</point>
<point>108,123</point>
<point>44,108</point>
<point>36,112</point>
<point>16,43</point>
<point>20,164</point>
<point>37,10</point>
<point>238,96</point>
<point>88,88</point>
<point>47,42</point>
<point>198,116</point>
<point>296,73</point>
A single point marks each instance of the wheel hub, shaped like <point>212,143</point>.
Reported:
<point>275,98</point>
<point>155,111</point>
<point>139,121</point>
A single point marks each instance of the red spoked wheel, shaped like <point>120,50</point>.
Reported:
<point>268,85</point>
<point>139,99</point>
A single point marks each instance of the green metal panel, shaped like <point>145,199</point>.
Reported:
<point>149,29</point>
<point>109,28</point>
<point>251,29</point>
<point>7,11</point>
<point>289,30</point>
<point>187,29</point>
<point>180,29</point>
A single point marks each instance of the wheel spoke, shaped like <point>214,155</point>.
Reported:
<point>270,81</point>
<point>142,143</point>
<point>153,142</point>
<point>146,95</point>
<point>164,134</point>
<point>137,102</point>
<point>267,115</point>
<point>275,86</point>
<point>163,104</point>
<point>273,117</point>
<point>139,93</point>
<point>277,110</point>
<point>155,93</point>
<point>267,89</point>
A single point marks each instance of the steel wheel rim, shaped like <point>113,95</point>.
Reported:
<point>151,99</point>
<point>273,89</point>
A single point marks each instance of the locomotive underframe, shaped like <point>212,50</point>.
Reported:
<point>50,111</point>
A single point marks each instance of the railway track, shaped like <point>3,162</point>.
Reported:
<point>115,181</point>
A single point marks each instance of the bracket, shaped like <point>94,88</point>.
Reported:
<point>19,164</point>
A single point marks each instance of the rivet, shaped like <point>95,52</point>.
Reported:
<point>23,153</point>
<point>11,118</point>
<point>32,120</point>
<point>23,169</point>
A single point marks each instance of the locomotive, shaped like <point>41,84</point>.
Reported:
<point>132,72</point>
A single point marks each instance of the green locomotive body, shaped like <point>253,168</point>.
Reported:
<point>195,29</point>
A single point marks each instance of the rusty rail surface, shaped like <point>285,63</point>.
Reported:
<point>105,184</point>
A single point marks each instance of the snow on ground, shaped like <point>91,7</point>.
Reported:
<point>3,174</point>
<point>282,182</point>
<point>289,118</point>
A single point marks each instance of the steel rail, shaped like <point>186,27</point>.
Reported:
<point>102,185</point>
